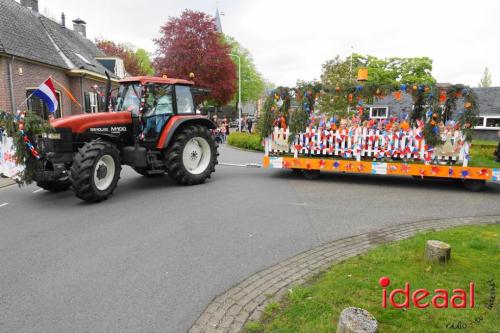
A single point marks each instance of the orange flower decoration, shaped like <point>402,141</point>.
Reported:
<point>405,126</point>
<point>397,95</point>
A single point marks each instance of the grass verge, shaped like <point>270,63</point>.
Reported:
<point>483,156</point>
<point>475,257</point>
<point>245,141</point>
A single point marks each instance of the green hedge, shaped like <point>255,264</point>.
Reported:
<point>245,141</point>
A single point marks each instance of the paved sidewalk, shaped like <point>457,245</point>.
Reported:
<point>6,182</point>
<point>244,302</point>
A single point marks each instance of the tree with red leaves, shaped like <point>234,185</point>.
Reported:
<point>130,59</point>
<point>191,44</point>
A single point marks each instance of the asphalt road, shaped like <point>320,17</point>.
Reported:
<point>150,258</point>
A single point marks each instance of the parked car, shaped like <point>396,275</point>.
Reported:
<point>233,123</point>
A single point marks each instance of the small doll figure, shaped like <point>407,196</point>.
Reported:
<point>333,126</point>
<point>343,125</point>
<point>395,127</point>
<point>277,122</point>
<point>283,123</point>
<point>380,125</point>
<point>448,137</point>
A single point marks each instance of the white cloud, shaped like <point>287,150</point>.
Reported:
<point>290,40</point>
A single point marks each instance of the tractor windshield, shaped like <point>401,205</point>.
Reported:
<point>129,98</point>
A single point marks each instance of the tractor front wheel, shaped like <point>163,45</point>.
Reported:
<point>95,170</point>
<point>192,156</point>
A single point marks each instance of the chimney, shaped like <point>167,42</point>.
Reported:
<point>79,26</point>
<point>31,4</point>
<point>63,20</point>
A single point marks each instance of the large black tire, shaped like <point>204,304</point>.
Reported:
<point>84,167</point>
<point>475,185</point>
<point>176,167</point>
<point>55,186</point>
<point>312,174</point>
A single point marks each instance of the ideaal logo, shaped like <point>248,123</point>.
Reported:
<point>422,298</point>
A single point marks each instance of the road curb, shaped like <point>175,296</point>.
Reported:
<point>229,312</point>
<point>243,149</point>
<point>4,182</point>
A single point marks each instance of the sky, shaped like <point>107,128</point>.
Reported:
<point>290,40</point>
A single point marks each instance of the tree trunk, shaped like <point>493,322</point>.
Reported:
<point>437,251</point>
<point>356,320</point>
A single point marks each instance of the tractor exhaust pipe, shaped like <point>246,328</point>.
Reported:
<point>108,92</point>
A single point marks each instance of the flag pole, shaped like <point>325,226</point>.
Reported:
<point>27,98</point>
<point>70,95</point>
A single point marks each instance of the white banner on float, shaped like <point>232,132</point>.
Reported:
<point>8,165</point>
<point>379,168</point>
<point>496,175</point>
<point>276,162</point>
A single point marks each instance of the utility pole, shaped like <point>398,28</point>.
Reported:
<point>239,89</point>
<point>350,67</point>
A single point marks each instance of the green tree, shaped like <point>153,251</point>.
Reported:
<point>337,75</point>
<point>486,79</point>
<point>252,82</point>
<point>144,61</point>
<point>387,73</point>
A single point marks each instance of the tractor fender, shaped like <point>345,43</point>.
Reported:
<point>177,122</point>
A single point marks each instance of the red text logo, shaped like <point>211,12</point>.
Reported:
<point>422,298</point>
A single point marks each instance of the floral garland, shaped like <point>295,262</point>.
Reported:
<point>22,127</point>
<point>432,105</point>
<point>27,142</point>
<point>275,113</point>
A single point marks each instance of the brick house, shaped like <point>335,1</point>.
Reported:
<point>34,47</point>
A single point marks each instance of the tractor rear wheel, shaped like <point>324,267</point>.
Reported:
<point>54,186</point>
<point>192,155</point>
<point>95,170</point>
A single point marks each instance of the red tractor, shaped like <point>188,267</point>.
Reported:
<point>155,129</point>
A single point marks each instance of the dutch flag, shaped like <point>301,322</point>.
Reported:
<point>47,93</point>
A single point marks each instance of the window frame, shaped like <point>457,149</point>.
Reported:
<point>485,120</point>
<point>175,100</point>
<point>386,107</point>
<point>59,101</point>
<point>93,96</point>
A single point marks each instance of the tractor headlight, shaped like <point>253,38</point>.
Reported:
<point>54,136</point>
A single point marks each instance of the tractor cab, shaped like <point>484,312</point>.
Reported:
<point>154,101</point>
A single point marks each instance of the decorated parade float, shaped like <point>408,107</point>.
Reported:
<point>433,139</point>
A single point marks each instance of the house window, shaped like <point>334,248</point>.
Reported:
<point>184,100</point>
<point>91,102</point>
<point>493,122</point>
<point>38,106</point>
<point>379,112</point>
<point>488,122</point>
<point>480,122</point>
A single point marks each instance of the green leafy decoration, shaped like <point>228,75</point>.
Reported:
<point>34,126</point>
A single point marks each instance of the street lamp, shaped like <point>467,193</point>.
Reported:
<point>239,88</point>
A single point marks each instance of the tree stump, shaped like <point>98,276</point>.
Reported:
<point>437,251</point>
<point>356,320</point>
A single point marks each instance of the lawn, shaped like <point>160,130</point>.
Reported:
<point>482,154</point>
<point>245,141</point>
<point>316,306</point>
